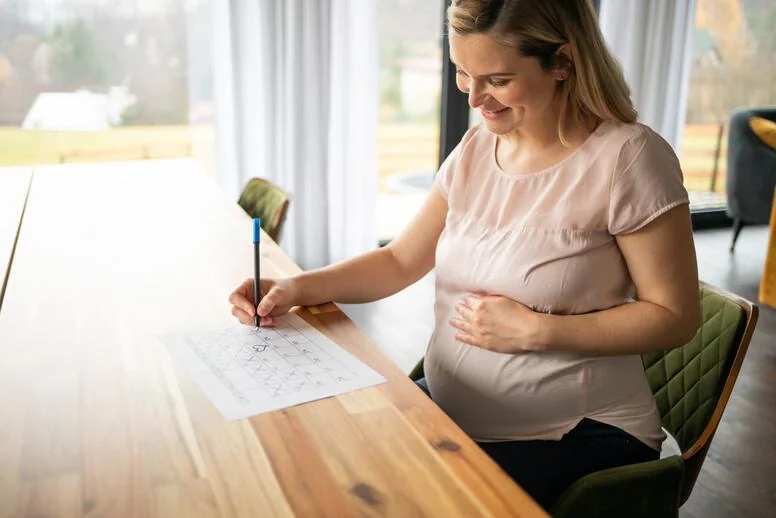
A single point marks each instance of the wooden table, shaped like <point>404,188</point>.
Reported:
<point>14,184</point>
<point>96,419</point>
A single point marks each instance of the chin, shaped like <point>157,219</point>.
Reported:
<point>499,127</point>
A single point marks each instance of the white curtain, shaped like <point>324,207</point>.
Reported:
<point>652,39</point>
<point>296,93</point>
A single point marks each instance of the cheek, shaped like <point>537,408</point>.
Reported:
<point>514,95</point>
<point>527,93</point>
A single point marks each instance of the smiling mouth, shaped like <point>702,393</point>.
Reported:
<point>494,112</point>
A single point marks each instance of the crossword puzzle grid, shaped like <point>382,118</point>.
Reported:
<point>255,364</point>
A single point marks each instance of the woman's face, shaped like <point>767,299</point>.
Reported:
<point>510,91</point>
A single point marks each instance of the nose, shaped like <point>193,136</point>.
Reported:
<point>476,95</point>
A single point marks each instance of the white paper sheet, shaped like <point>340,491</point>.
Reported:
<point>245,371</point>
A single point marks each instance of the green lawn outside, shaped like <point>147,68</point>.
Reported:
<point>401,147</point>
<point>20,147</point>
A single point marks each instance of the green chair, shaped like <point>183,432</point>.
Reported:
<point>692,385</point>
<point>262,199</point>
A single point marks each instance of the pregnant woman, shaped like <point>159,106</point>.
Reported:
<point>560,233</point>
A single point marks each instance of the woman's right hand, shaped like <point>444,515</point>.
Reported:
<point>278,297</point>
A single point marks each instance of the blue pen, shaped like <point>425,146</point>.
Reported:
<point>256,266</point>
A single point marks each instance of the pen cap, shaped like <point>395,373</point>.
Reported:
<point>256,230</point>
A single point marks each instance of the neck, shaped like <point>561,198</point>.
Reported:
<point>543,133</point>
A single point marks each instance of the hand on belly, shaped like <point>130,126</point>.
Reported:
<point>496,323</point>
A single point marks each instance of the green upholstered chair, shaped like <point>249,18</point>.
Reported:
<point>261,198</point>
<point>692,385</point>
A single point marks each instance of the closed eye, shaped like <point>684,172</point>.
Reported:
<point>491,79</point>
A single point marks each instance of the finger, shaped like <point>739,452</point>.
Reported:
<point>246,288</point>
<point>268,322</point>
<point>465,311</point>
<point>467,339</point>
<point>242,316</point>
<point>462,325</point>
<point>475,301</point>
<point>278,311</point>
<point>268,303</point>
<point>240,301</point>
<point>467,301</point>
<point>245,291</point>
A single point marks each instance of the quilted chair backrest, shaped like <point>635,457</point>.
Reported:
<point>688,381</point>
<point>692,383</point>
<point>262,199</point>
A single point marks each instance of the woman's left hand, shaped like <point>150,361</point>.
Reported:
<point>496,323</point>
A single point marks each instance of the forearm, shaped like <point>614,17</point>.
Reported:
<point>366,278</point>
<point>633,328</point>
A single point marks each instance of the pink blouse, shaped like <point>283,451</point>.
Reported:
<point>546,240</point>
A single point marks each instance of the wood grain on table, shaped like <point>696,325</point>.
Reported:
<point>98,421</point>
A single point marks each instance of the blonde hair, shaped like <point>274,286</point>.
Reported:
<point>595,87</point>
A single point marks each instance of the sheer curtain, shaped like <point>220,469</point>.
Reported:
<point>296,93</point>
<point>652,40</point>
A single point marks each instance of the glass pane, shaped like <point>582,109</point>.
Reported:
<point>410,93</point>
<point>732,66</point>
<point>98,80</point>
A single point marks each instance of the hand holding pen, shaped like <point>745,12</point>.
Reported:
<point>280,295</point>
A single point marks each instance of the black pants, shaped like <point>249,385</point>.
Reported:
<point>545,469</point>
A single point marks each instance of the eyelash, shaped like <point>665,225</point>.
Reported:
<point>495,82</point>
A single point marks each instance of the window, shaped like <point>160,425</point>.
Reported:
<point>733,66</point>
<point>95,80</point>
<point>410,86</point>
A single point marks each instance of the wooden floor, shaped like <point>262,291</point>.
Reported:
<point>739,474</point>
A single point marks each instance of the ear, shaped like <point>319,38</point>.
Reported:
<point>563,62</point>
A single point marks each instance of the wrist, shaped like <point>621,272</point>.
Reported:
<point>544,325</point>
<point>308,289</point>
<point>300,287</point>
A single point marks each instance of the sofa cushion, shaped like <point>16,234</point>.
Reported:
<point>765,130</point>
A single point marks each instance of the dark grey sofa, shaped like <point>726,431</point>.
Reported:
<point>751,171</point>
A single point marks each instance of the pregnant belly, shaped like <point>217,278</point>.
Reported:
<point>493,395</point>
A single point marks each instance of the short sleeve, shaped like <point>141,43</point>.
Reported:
<point>446,172</point>
<point>647,182</point>
<point>460,154</point>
